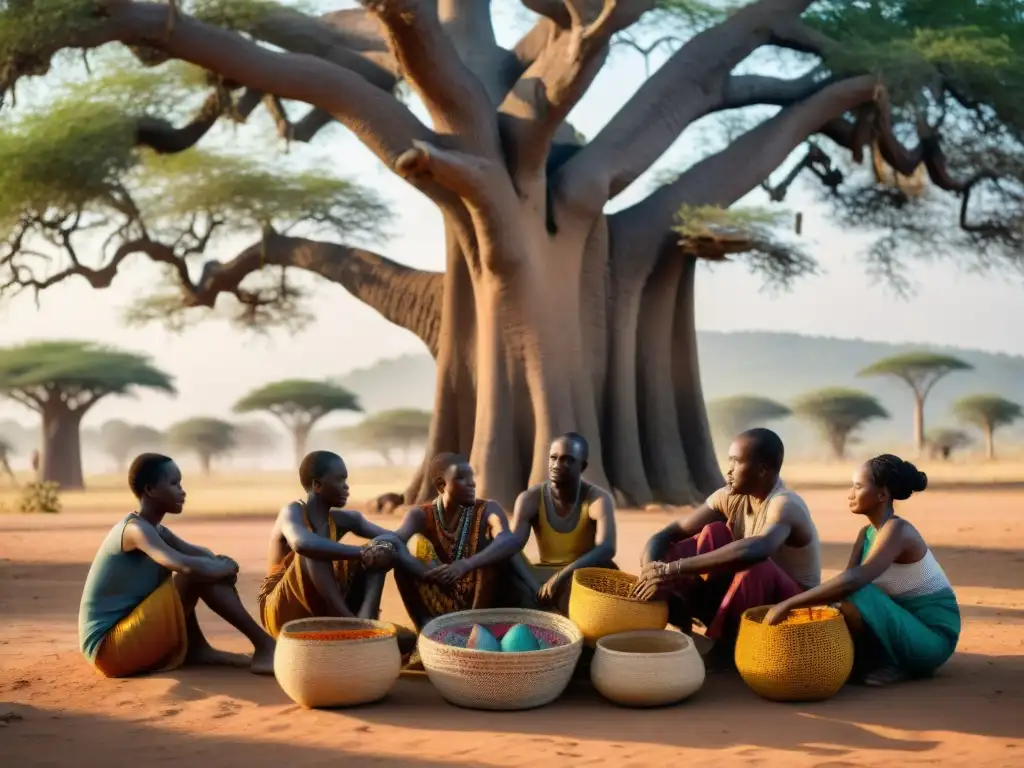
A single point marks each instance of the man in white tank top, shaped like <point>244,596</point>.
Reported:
<point>752,543</point>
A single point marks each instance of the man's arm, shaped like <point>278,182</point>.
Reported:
<point>412,524</point>
<point>658,546</point>
<point>350,520</point>
<point>145,538</point>
<point>504,544</point>
<point>305,543</point>
<point>523,515</point>
<point>178,543</point>
<point>858,549</point>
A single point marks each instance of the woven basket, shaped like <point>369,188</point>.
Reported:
<point>650,668</point>
<point>494,680</point>
<point>807,657</point>
<point>599,604</point>
<point>336,673</point>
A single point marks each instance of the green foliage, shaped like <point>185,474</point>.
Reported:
<point>30,30</point>
<point>733,415</point>
<point>918,369</point>
<point>838,412</point>
<point>73,369</point>
<point>294,397</point>
<point>397,427</point>
<point>946,441</point>
<point>987,411</point>
<point>40,498</point>
<point>242,15</point>
<point>205,436</point>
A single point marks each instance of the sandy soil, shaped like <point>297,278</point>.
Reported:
<point>54,710</point>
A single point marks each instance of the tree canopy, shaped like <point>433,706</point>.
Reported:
<point>838,412</point>
<point>208,438</point>
<point>945,441</point>
<point>735,414</point>
<point>988,413</point>
<point>385,431</point>
<point>120,440</point>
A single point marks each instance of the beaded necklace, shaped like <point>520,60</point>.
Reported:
<point>462,527</point>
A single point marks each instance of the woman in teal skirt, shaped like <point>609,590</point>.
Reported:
<point>894,595</point>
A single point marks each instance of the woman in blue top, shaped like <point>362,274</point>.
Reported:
<point>894,595</point>
<point>138,607</point>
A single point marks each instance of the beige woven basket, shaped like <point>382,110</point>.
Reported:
<point>649,668</point>
<point>336,673</point>
<point>599,604</point>
<point>806,657</point>
<point>500,681</point>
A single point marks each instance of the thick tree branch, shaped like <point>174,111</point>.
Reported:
<point>454,96</point>
<point>468,25</point>
<point>162,137</point>
<point>554,83</point>
<point>723,178</point>
<point>683,89</point>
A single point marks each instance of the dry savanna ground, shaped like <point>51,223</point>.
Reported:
<point>54,710</point>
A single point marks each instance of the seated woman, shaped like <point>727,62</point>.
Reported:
<point>573,520</point>
<point>138,607</point>
<point>896,599</point>
<point>459,547</point>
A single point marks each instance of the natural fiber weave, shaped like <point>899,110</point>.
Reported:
<point>806,657</point>
<point>600,605</point>
<point>331,672</point>
<point>650,668</point>
<point>495,680</point>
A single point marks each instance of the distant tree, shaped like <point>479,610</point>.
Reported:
<point>121,440</point>
<point>61,381</point>
<point>299,404</point>
<point>943,442</point>
<point>6,449</point>
<point>207,438</point>
<point>732,415</point>
<point>988,413</point>
<point>920,371</point>
<point>838,413</point>
<point>386,431</point>
<point>254,439</point>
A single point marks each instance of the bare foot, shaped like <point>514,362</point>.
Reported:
<point>263,661</point>
<point>879,678</point>
<point>211,657</point>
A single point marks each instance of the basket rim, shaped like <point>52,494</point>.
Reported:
<point>756,614</point>
<point>346,622</point>
<point>687,643</point>
<point>461,618</point>
<point>577,584</point>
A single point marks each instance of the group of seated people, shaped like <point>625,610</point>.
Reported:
<point>752,543</point>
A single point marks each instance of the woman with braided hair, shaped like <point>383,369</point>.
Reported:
<point>894,595</point>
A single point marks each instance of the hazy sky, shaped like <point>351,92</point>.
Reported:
<point>214,364</point>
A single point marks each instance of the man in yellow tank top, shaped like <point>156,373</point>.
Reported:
<point>573,520</point>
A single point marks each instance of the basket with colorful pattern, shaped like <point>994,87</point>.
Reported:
<point>808,656</point>
<point>493,680</point>
<point>600,605</point>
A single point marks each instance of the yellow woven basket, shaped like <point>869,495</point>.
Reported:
<point>806,657</point>
<point>599,603</point>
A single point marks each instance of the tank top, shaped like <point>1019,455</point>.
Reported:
<point>117,583</point>
<point>906,580</point>
<point>558,548</point>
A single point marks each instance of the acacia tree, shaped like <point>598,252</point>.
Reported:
<point>61,381</point>
<point>732,415</point>
<point>120,440</point>
<point>386,431</point>
<point>920,371</point>
<point>552,313</point>
<point>299,404</point>
<point>207,438</point>
<point>942,442</point>
<point>838,413</point>
<point>988,413</point>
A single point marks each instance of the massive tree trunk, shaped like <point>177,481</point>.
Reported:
<point>62,446</point>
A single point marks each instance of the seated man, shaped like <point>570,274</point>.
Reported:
<point>751,543</point>
<point>573,520</point>
<point>310,573</point>
<point>459,547</point>
<point>138,610</point>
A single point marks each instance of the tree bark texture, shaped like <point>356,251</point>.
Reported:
<point>62,446</point>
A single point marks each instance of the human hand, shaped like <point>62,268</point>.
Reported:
<point>447,575</point>
<point>776,614</point>
<point>378,554</point>
<point>547,593</point>
<point>218,568</point>
<point>655,579</point>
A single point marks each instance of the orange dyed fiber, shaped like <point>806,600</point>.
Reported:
<point>341,634</point>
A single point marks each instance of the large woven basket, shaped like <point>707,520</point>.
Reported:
<point>650,668</point>
<point>599,603</point>
<point>806,657</point>
<point>316,670</point>
<point>494,680</point>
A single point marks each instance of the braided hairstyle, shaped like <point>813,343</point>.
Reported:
<point>899,477</point>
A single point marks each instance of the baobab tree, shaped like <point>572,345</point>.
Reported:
<point>988,413</point>
<point>62,381</point>
<point>299,404</point>
<point>552,313</point>
<point>838,413</point>
<point>920,371</point>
